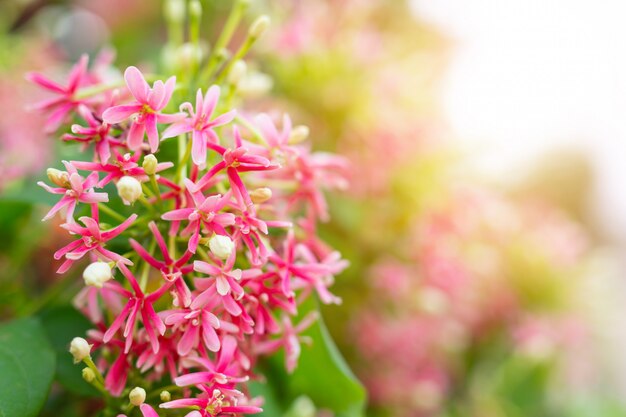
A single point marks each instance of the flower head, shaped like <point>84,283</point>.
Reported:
<point>146,109</point>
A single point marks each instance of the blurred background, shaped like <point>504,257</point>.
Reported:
<point>485,221</point>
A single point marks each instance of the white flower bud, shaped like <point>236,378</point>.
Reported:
<point>259,26</point>
<point>137,396</point>
<point>88,374</point>
<point>237,72</point>
<point>97,273</point>
<point>195,9</point>
<point>60,178</point>
<point>175,10</point>
<point>221,246</point>
<point>150,163</point>
<point>80,349</point>
<point>255,84</point>
<point>261,195</point>
<point>298,134</point>
<point>165,396</point>
<point>187,55</point>
<point>129,188</point>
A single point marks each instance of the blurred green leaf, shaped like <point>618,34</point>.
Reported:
<point>61,325</point>
<point>26,368</point>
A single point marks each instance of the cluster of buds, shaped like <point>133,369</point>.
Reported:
<point>198,261</point>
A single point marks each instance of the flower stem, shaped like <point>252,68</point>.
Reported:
<point>111,213</point>
<point>236,13</point>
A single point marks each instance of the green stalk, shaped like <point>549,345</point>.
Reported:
<point>234,17</point>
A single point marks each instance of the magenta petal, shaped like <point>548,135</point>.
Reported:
<point>176,129</point>
<point>118,114</point>
<point>135,136</point>
<point>137,84</point>
<point>147,411</point>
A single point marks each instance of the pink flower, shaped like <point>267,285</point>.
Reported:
<point>92,239</point>
<point>146,109</point>
<point>236,160</point>
<point>138,303</point>
<point>211,405</point>
<point>197,324</point>
<point>310,272</point>
<point>171,270</point>
<point>59,107</point>
<point>200,123</point>
<point>205,214</point>
<point>223,373</point>
<point>97,132</point>
<point>224,281</point>
<point>290,340</point>
<point>115,380</point>
<point>77,189</point>
<point>123,165</point>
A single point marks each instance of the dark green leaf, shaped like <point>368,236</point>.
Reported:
<point>26,368</point>
<point>61,325</point>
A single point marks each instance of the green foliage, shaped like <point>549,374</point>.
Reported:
<point>27,364</point>
<point>61,325</point>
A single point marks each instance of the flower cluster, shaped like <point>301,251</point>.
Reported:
<point>201,246</point>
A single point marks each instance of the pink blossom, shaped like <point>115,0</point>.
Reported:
<point>146,109</point>
<point>236,160</point>
<point>97,132</point>
<point>123,165</point>
<point>290,340</point>
<point>138,303</point>
<point>92,239</point>
<point>224,281</point>
<point>200,123</point>
<point>222,374</point>
<point>171,270</point>
<point>206,214</point>
<point>66,100</point>
<point>194,325</point>
<point>211,405</point>
<point>77,189</point>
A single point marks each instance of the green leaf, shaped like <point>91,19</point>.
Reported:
<point>61,325</point>
<point>26,368</point>
<point>322,375</point>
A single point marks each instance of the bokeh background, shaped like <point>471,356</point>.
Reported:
<point>485,219</point>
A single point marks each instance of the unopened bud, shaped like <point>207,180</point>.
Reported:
<point>97,273</point>
<point>188,54</point>
<point>80,349</point>
<point>298,134</point>
<point>150,163</point>
<point>165,396</point>
<point>58,177</point>
<point>195,9</point>
<point>237,72</point>
<point>255,84</point>
<point>221,246</point>
<point>137,396</point>
<point>259,26</point>
<point>129,188</point>
<point>261,195</point>
<point>88,374</point>
<point>175,10</point>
